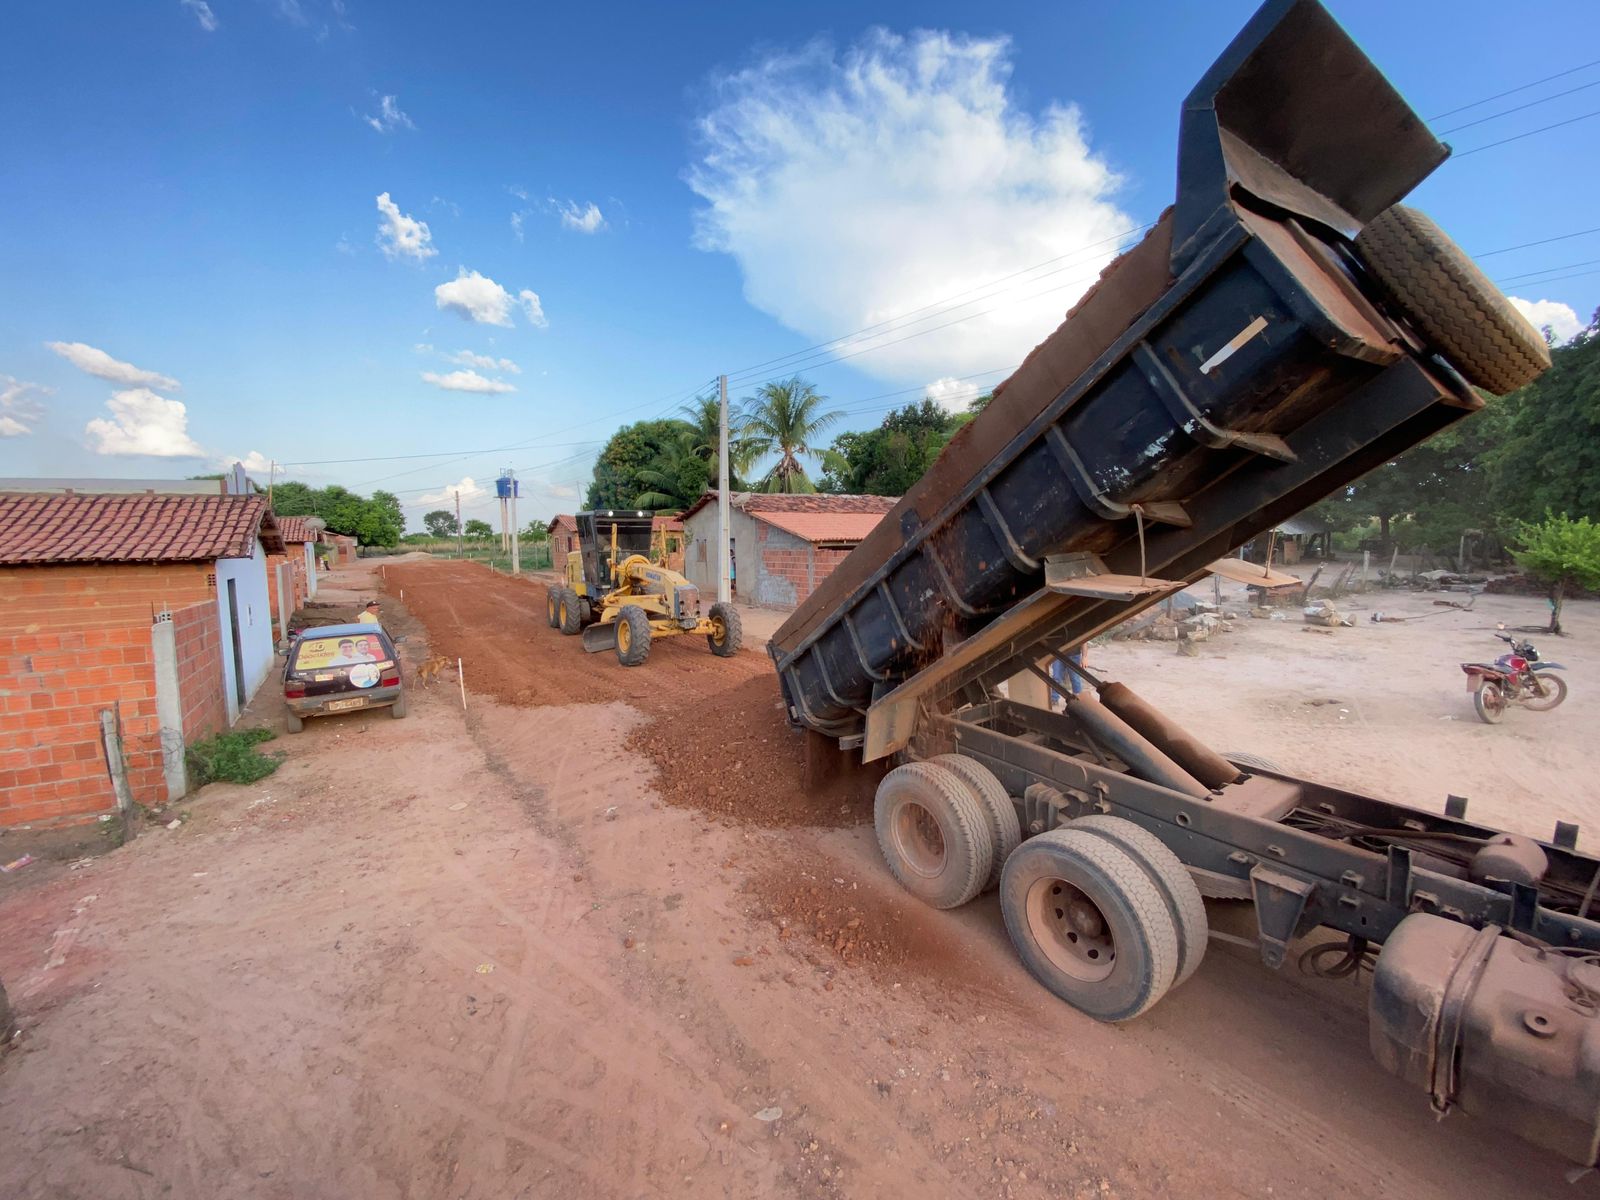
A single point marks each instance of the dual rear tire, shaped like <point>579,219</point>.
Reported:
<point>1100,911</point>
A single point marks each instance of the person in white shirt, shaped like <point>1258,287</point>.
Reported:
<point>369,614</point>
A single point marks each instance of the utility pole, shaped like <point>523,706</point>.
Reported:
<point>460,550</point>
<point>516,545</point>
<point>724,559</point>
<point>272,469</point>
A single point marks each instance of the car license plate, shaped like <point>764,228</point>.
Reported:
<point>346,705</point>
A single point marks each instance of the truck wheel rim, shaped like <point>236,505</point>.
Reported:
<point>624,636</point>
<point>719,631</point>
<point>563,612</point>
<point>919,840</point>
<point>1071,930</point>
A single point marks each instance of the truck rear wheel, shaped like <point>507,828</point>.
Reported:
<point>1451,302</point>
<point>1005,831</point>
<point>1089,923</point>
<point>934,834</point>
<point>727,631</point>
<point>1187,909</point>
<point>552,604</point>
<point>633,636</point>
<point>571,617</point>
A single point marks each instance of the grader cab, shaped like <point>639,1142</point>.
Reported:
<point>620,595</point>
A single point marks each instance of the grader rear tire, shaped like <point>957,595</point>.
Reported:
<point>1451,302</point>
<point>571,615</point>
<point>552,604</point>
<point>633,636</point>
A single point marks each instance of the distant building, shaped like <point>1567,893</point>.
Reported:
<point>783,546</point>
<point>563,539</point>
<point>153,607</point>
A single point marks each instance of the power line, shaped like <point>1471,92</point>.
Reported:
<point>1519,136</point>
<point>1515,90</point>
<point>1530,104</point>
<point>1573,275</point>
<point>323,462</point>
<point>1586,262</point>
<point>1541,242</point>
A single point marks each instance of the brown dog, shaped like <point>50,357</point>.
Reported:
<point>430,669</point>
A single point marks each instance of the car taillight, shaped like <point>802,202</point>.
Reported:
<point>294,691</point>
<point>390,679</point>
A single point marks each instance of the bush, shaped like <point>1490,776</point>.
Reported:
<point>231,758</point>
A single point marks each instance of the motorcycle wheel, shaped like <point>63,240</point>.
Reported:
<point>1554,692</point>
<point>1490,702</point>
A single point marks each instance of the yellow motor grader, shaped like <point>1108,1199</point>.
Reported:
<point>620,594</point>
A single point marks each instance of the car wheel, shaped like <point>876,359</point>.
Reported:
<point>293,722</point>
<point>398,708</point>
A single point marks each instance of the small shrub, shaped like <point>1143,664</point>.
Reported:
<point>232,758</point>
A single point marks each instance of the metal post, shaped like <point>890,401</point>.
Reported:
<point>724,566</point>
<point>460,549</point>
<point>516,546</point>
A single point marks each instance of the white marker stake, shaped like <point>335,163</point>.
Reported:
<point>461,677</point>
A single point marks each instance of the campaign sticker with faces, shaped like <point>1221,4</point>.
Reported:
<point>364,675</point>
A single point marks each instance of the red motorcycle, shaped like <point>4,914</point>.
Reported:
<point>1514,678</point>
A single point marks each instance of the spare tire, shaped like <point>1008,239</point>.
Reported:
<point>1450,302</point>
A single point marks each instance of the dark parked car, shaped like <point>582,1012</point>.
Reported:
<point>341,668</point>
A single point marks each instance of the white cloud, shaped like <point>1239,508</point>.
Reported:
<point>291,11</point>
<point>20,406</point>
<point>102,366</point>
<point>389,116</point>
<point>535,310</point>
<point>401,236</point>
<point>143,423</point>
<point>467,381</point>
<point>561,491</point>
<point>470,491</point>
<point>202,13</point>
<point>584,219</point>
<point>1563,323</point>
<point>953,395</point>
<point>422,347</point>
<point>479,298</point>
<point>255,463</point>
<point>516,223</point>
<point>856,186</point>
<point>483,362</point>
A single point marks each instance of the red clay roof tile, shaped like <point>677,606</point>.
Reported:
<point>40,527</point>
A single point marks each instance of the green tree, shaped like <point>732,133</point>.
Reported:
<point>1547,454</point>
<point>631,449</point>
<point>886,461</point>
<point>675,477</point>
<point>378,521</point>
<point>291,498</point>
<point>440,523</point>
<point>536,531</point>
<point>786,419</point>
<point>704,416</point>
<point>479,529</point>
<point>1561,552</point>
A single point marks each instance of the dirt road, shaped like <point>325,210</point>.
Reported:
<point>485,954</point>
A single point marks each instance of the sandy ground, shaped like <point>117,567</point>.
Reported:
<point>484,954</point>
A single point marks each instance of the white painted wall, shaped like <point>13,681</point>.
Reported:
<point>255,624</point>
<point>311,569</point>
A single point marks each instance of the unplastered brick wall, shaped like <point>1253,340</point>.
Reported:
<point>53,686</point>
<point>198,638</point>
<point>76,640</point>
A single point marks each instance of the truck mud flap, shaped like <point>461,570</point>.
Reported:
<point>600,637</point>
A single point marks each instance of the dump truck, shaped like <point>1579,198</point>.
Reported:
<point>620,594</point>
<point>1286,327</point>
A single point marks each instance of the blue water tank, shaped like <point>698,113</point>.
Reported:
<point>505,488</point>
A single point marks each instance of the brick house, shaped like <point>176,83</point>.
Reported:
<point>292,575</point>
<point>563,539</point>
<point>783,546</point>
<point>153,608</point>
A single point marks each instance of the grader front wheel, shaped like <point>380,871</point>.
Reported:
<point>633,636</point>
<point>727,632</point>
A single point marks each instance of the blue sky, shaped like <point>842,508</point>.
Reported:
<point>622,201</point>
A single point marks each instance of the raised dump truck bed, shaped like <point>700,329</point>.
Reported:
<point>1285,328</point>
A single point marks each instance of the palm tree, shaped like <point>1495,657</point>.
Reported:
<point>670,474</point>
<point>704,413</point>
<point>784,419</point>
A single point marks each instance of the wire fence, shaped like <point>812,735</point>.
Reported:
<point>535,556</point>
